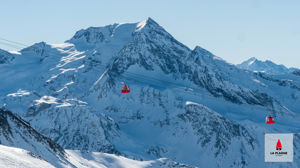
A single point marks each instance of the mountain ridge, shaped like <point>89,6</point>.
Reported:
<point>266,66</point>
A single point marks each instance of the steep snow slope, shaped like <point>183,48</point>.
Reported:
<point>11,157</point>
<point>267,66</point>
<point>97,159</point>
<point>16,132</point>
<point>186,105</point>
<point>14,157</point>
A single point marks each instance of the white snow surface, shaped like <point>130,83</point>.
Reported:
<point>11,157</point>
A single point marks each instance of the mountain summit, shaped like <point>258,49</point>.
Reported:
<point>118,32</point>
<point>267,66</point>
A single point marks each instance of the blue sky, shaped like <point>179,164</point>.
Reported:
<point>234,30</point>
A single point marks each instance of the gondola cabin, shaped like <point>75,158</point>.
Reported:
<point>125,89</point>
<point>270,120</point>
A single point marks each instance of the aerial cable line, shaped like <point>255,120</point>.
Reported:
<point>140,78</point>
<point>10,41</point>
<point>11,45</point>
<point>51,53</point>
<point>133,75</point>
<point>269,119</point>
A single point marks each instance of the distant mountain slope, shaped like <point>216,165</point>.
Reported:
<point>267,66</point>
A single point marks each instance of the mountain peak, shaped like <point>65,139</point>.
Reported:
<point>267,66</point>
<point>148,22</point>
<point>151,21</point>
<point>251,60</point>
<point>39,45</point>
<point>113,32</point>
<point>202,51</point>
<point>38,48</point>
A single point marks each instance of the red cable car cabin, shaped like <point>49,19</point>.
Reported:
<point>270,120</point>
<point>125,89</point>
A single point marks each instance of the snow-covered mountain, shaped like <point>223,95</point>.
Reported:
<point>186,105</point>
<point>22,146</point>
<point>267,66</point>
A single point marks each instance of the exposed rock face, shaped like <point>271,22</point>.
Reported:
<point>5,57</point>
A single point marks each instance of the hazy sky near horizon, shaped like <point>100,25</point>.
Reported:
<point>234,30</point>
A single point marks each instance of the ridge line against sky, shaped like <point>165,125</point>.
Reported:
<point>233,30</point>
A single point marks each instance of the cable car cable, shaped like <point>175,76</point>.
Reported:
<point>147,78</point>
<point>10,41</point>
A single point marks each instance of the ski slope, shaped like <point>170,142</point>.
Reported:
<point>11,157</point>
